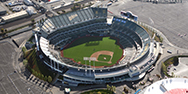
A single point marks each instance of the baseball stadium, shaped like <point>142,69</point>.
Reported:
<point>90,47</point>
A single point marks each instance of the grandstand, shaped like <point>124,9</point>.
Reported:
<point>55,33</point>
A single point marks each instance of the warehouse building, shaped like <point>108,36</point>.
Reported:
<point>15,16</point>
<point>2,10</point>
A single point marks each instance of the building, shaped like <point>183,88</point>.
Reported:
<point>168,86</point>
<point>30,10</point>
<point>15,16</point>
<point>56,32</point>
<point>3,11</point>
<point>28,2</point>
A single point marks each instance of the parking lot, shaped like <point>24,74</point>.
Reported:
<point>10,80</point>
<point>170,19</point>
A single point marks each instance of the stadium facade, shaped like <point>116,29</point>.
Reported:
<point>53,34</point>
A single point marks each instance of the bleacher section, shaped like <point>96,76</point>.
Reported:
<point>136,36</point>
<point>78,30</point>
<point>61,21</point>
<point>54,63</point>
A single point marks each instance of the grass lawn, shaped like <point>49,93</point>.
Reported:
<point>168,62</point>
<point>86,46</point>
<point>100,91</point>
<point>104,57</point>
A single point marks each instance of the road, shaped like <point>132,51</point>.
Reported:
<point>46,7</point>
<point>19,21</point>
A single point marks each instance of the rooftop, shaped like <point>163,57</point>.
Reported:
<point>2,8</point>
<point>17,14</point>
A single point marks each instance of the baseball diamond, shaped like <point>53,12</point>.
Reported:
<point>93,47</point>
<point>103,56</point>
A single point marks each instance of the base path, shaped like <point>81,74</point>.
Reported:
<point>96,55</point>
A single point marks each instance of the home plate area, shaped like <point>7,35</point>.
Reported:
<point>103,56</point>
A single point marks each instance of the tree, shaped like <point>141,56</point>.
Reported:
<point>43,19</point>
<point>172,74</point>
<point>90,3</point>
<point>33,71</point>
<point>39,75</point>
<point>125,90</point>
<point>58,12</point>
<point>2,30</point>
<point>24,51</point>
<point>42,77</point>
<point>63,11</point>
<point>6,30</point>
<point>33,22</point>
<point>25,62</point>
<point>72,8</point>
<point>76,6</point>
<point>45,78</point>
<point>108,87</point>
<point>99,92</point>
<point>113,88</point>
<point>49,79</point>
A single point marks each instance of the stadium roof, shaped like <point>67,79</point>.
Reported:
<point>50,25</point>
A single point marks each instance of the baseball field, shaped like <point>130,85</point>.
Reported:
<point>105,49</point>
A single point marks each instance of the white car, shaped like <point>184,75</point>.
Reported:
<point>109,3</point>
<point>169,51</point>
<point>150,69</point>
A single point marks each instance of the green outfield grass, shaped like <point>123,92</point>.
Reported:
<point>101,57</point>
<point>86,46</point>
<point>100,91</point>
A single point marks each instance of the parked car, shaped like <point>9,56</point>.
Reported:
<point>168,51</point>
<point>150,69</point>
<point>109,3</point>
